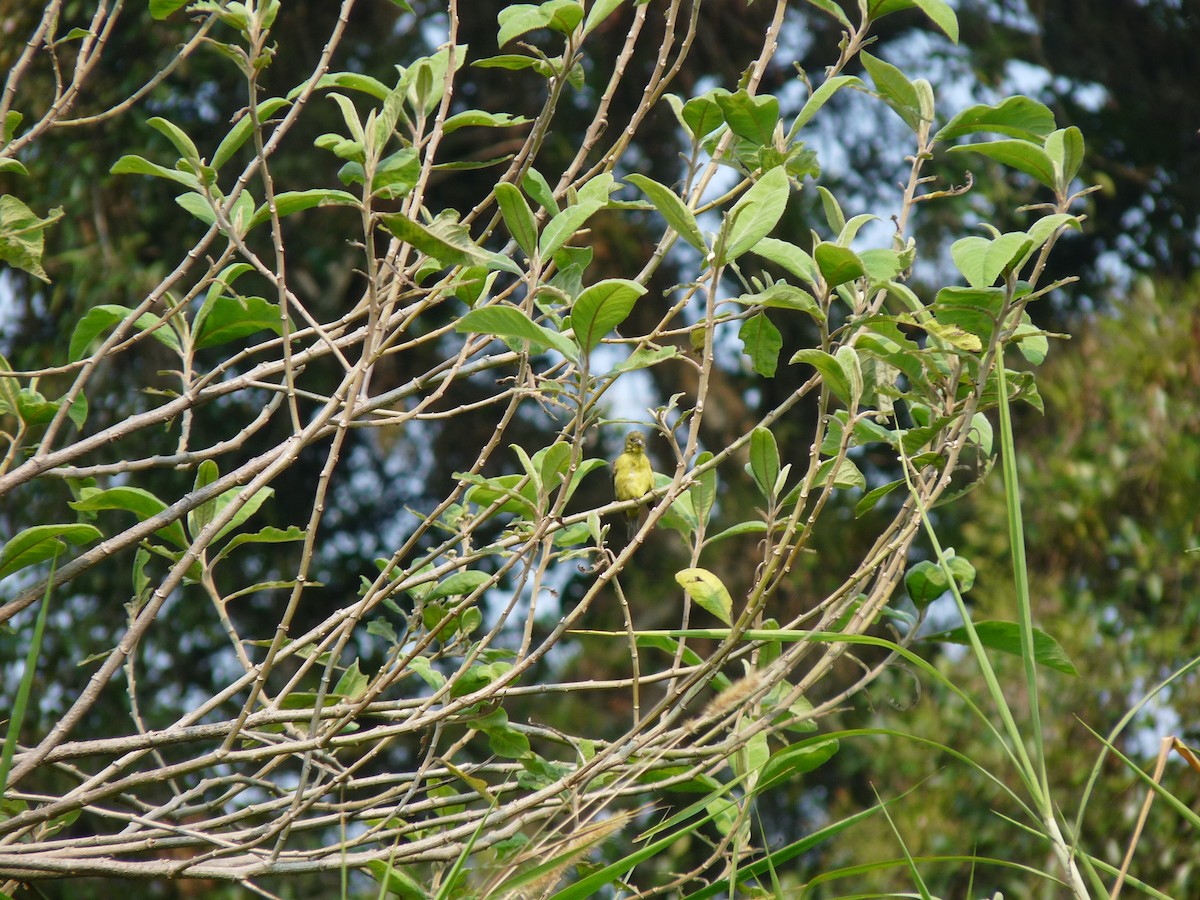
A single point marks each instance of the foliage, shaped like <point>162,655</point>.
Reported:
<point>416,724</point>
<point>1112,566</point>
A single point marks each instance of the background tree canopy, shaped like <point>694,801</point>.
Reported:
<point>411,271</point>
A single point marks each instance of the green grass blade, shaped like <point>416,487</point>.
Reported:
<point>21,703</point>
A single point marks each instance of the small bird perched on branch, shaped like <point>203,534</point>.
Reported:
<point>633,478</point>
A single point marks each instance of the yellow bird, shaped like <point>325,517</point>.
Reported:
<point>633,478</point>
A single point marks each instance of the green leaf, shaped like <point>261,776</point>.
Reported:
<point>22,236</point>
<point>820,97</point>
<point>78,410</point>
<point>850,230</point>
<point>553,462</point>
<point>487,491</point>
<point>1046,226</point>
<point>671,208</point>
<point>446,241</point>
<point>74,34</point>
<point>982,261</point>
<point>784,296</point>
<point>228,318</point>
<point>206,473</point>
<point>138,501</point>
<point>353,81</point>
<point>707,591</point>
<point>1032,343</point>
<point>1020,155</point>
<point>681,514</point>
<point>473,283</point>
<point>515,63</point>
<point>598,12</point>
<point>239,213</point>
<point>512,324</point>
<point>926,581</point>
<point>42,542</point>
<point>764,460</point>
<point>425,78</point>
<point>395,176</point>
<point>572,263</point>
<point>939,12</point>
<point>13,166</point>
<point>834,216</point>
<point>644,358</point>
<point>289,202</point>
<point>352,684</point>
<point>974,309</point>
<point>723,811</point>
<point>396,881</point>
<point>702,115</point>
<point>136,165</point>
<point>797,759</point>
<point>896,90</point>
<point>846,475</point>
<point>565,15</point>
<point>101,318</point>
<point>831,8</point>
<point>942,15</point>
<point>33,408</point>
<point>585,468</point>
<point>12,121</point>
<point>598,189</point>
<point>478,677</point>
<point>1065,149</point>
<point>882,265</point>
<point>601,308</point>
<point>344,148</point>
<point>9,390</point>
<point>871,499</point>
<point>392,114</point>
<point>245,511</point>
<point>735,530</point>
<point>980,433</point>
<point>704,492</point>
<point>480,119</point>
<point>756,213</point>
<point>425,671</point>
<point>160,9</point>
<point>1006,637</point>
<point>563,226</point>
<point>538,188</point>
<point>790,258</point>
<point>508,743</point>
<point>837,264</point>
<point>958,332</point>
<point>831,370</point>
<point>1017,117</point>
<point>761,341</point>
<point>178,137</point>
<point>458,584</point>
<point>518,217</point>
<point>521,18</point>
<point>268,535</point>
<point>241,131</point>
<point>752,118</point>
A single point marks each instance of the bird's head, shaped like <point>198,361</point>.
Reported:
<point>635,442</point>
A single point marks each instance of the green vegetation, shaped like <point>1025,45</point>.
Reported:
<point>323,322</point>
